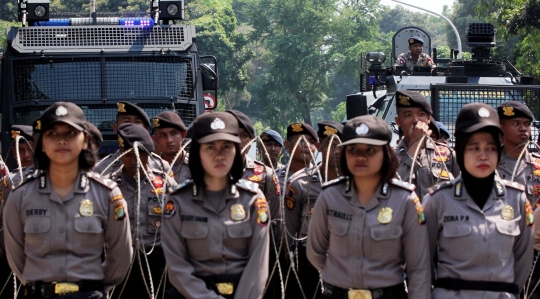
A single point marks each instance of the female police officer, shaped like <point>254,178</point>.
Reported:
<point>217,238</point>
<point>58,221</point>
<point>365,226</point>
<point>478,224</point>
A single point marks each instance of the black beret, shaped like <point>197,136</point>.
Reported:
<point>271,135</point>
<point>129,133</point>
<point>475,116</point>
<point>94,132</point>
<point>22,130</point>
<point>327,128</point>
<point>514,109</point>
<point>301,129</point>
<point>214,126</point>
<point>243,122</point>
<point>415,40</point>
<point>65,112</point>
<point>407,98</point>
<point>366,129</point>
<point>168,119</point>
<point>127,108</point>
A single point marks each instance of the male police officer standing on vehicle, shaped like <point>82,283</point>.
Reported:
<point>169,132</point>
<point>415,57</point>
<point>516,120</point>
<point>433,162</point>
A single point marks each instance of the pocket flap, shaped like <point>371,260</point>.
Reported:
<point>242,230</point>
<point>456,230</point>
<point>385,233</point>
<point>510,228</point>
<point>37,225</point>
<point>338,227</point>
<point>194,230</point>
<point>87,225</point>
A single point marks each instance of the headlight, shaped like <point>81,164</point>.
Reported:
<point>172,9</point>
<point>376,57</point>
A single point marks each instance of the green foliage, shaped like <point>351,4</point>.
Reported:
<point>339,112</point>
<point>3,29</point>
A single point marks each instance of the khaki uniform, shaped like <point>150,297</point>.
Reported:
<point>155,161</point>
<point>180,170</point>
<point>405,59</point>
<point>153,191</point>
<point>257,172</point>
<point>365,248</point>
<point>428,167</point>
<point>527,174</point>
<point>49,239</point>
<point>203,241</point>
<point>281,175</point>
<point>476,244</point>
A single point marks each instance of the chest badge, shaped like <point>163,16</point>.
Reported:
<point>385,215</point>
<point>238,212</point>
<point>507,213</point>
<point>86,209</point>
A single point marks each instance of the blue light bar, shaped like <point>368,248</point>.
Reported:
<point>145,22</point>
<point>55,22</point>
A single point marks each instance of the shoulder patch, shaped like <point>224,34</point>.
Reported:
<point>514,185</point>
<point>403,184</point>
<point>179,186</point>
<point>102,180</point>
<point>433,189</point>
<point>247,185</point>
<point>341,179</point>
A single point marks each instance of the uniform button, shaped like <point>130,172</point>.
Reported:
<point>36,229</point>
<point>61,230</point>
<point>484,239</point>
<point>376,235</point>
<point>89,228</point>
<point>62,210</point>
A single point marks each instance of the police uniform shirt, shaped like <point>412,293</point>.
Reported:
<point>527,174</point>
<point>365,248</point>
<point>180,170</point>
<point>203,241</point>
<point>428,167</point>
<point>154,161</point>
<point>281,172</point>
<point>257,172</point>
<point>50,239</point>
<point>152,193</point>
<point>489,244</point>
<point>301,194</point>
<point>405,59</point>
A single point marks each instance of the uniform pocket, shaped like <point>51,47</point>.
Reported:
<point>386,241</point>
<point>456,241</point>
<point>155,213</point>
<point>37,237</point>
<point>88,225</point>
<point>197,241</point>
<point>338,236</point>
<point>508,230</point>
<point>89,235</point>
<point>239,237</point>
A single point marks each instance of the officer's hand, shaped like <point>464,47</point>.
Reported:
<point>415,135</point>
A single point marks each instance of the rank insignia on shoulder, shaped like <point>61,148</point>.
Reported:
<point>529,217</point>
<point>119,211</point>
<point>248,185</point>
<point>403,184</point>
<point>290,202</point>
<point>514,185</point>
<point>180,186</point>
<point>170,209</point>
<point>291,190</point>
<point>335,181</point>
<point>262,211</point>
<point>419,211</point>
<point>433,189</point>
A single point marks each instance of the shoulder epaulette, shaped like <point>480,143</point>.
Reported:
<point>102,180</point>
<point>514,185</point>
<point>433,189</point>
<point>179,186</point>
<point>403,184</point>
<point>339,180</point>
<point>536,155</point>
<point>29,177</point>
<point>248,185</point>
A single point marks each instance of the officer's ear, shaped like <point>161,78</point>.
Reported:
<point>184,134</point>
<point>86,142</point>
